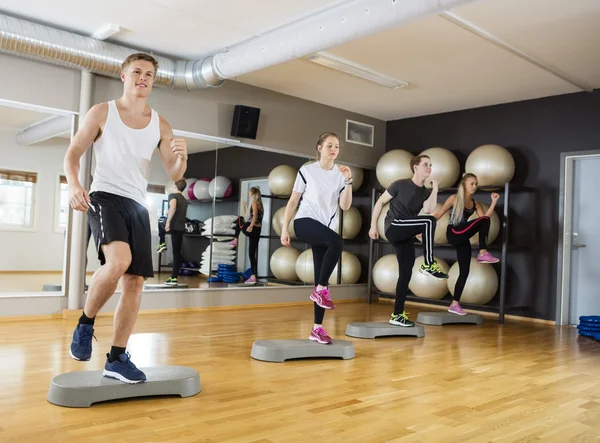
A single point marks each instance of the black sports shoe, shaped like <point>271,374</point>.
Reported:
<point>401,320</point>
<point>434,270</point>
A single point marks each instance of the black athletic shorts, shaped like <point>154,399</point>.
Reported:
<point>115,218</point>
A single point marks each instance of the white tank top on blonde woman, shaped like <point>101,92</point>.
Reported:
<point>123,156</point>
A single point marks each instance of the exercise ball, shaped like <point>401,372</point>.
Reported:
<point>481,286</point>
<point>277,223</point>
<point>199,190</point>
<point>220,187</point>
<point>494,226</point>
<point>283,263</point>
<point>445,167</point>
<point>381,222</point>
<point>492,164</point>
<point>385,274</point>
<point>305,268</point>
<point>351,270</point>
<point>188,182</point>
<point>352,223</point>
<point>439,237</point>
<point>281,180</point>
<point>425,286</point>
<point>393,165</point>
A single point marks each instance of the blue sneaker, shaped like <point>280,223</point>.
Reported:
<point>123,370</point>
<point>81,346</point>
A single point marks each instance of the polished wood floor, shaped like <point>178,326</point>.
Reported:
<point>520,382</point>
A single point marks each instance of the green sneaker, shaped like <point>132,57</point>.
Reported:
<point>401,320</point>
<point>171,281</point>
<point>161,248</point>
<point>434,270</point>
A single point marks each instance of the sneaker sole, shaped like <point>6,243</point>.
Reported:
<point>391,322</point>
<point>324,307</point>
<point>422,271</point>
<point>487,261</point>
<point>117,376</point>
<point>456,313</point>
<point>79,359</point>
<point>319,341</point>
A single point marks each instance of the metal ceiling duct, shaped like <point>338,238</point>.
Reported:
<point>45,129</point>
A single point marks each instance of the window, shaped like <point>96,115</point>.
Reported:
<point>63,203</point>
<point>17,198</point>
<point>154,198</point>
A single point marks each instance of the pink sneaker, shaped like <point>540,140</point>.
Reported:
<point>319,335</point>
<point>234,242</point>
<point>486,257</point>
<point>456,309</point>
<point>251,280</point>
<point>322,298</point>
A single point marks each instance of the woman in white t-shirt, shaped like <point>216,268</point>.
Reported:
<point>322,185</point>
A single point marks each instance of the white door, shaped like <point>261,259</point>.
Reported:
<point>584,297</point>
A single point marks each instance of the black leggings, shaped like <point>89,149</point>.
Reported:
<point>176,243</point>
<point>254,238</point>
<point>326,248</point>
<point>459,237</point>
<point>401,235</point>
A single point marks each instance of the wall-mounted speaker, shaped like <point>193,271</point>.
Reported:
<point>245,122</point>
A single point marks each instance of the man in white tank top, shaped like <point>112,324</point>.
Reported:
<point>125,134</point>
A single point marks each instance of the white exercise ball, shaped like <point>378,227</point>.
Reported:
<point>492,164</point>
<point>481,286</point>
<point>200,189</point>
<point>445,167</point>
<point>426,286</point>
<point>351,270</point>
<point>385,274</point>
<point>281,180</point>
<point>494,226</point>
<point>188,182</point>
<point>352,221</point>
<point>393,165</point>
<point>283,263</point>
<point>220,187</point>
<point>277,223</point>
<point>305,269</point>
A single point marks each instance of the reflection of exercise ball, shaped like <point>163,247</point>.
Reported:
<point>385,274</point>
<point>350,270</point>
<point>283,263</point>
<point>352,223</point>
<point>188,182</point>
<point>494,226</point>
<point>199,190</point>
<point>277,222</point>
<point>220,187</point>
<point>492,164</point>
<point>441,225</point>
<point>445,167</point>
<point>305,268</point>
<point>381,222</point>
<point>393,165</point>
<point>281,180</point>
<point>425,286</point>
<point>481,286</point>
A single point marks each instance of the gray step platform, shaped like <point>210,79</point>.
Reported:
<point>82,389</point>
<point>382,329</point>
<point>445,318</point>
<point>165,286</point>
<point>281,350</point>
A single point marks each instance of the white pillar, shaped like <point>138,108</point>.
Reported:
<point>78,249</point>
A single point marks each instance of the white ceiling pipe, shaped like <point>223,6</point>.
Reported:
<point>44,130</point>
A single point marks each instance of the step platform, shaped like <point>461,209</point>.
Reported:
<point>382,329</point>
<point>165,286</point>
<point>82,389</point>
<point>279,351</point>
<point>446,318</point>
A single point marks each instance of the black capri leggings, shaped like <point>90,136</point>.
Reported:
<point>459,237</point>
<point>326,247</point>
<point>253,240</point>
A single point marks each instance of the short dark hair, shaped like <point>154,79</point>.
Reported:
<point>417,161</point>
<point>180,185</point>
<point>140,56</point>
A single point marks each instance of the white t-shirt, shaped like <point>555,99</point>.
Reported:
<point>321,192</point>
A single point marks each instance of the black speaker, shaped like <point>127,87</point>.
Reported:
<point>245,122</point>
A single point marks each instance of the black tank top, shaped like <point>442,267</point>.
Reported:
<point>465,215</point>
<point>259,216</point>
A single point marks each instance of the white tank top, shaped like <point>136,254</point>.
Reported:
<point>123,156</point>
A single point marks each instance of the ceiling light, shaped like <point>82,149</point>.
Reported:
<point>339,64</point>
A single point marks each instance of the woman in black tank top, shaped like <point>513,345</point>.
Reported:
<point>254,213</point>
<point>460,229</point>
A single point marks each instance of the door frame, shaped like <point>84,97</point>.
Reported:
<point>565,222</point>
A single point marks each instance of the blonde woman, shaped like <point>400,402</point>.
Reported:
<point>460,229</point>
<point>253,212</point>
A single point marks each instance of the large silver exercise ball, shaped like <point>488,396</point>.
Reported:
<point>350,270</point>
<point>445,167</point>
<point>281,180</point>
<point>439,237</point>
<point>494,226</point>
<point>283,263</point>
<point>385,274</point>
<point>381,222</point>
<point>352,223</point>
<point>481,286</point>
<point>492,164</point>
<point>393,165</point>
<point>277,223</point>
<point>426,286</point>
<point>305,268</point>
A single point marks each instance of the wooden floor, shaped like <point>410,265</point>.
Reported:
<point>520,382</point>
